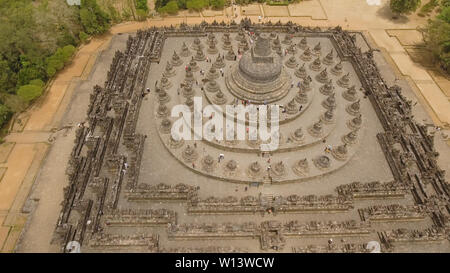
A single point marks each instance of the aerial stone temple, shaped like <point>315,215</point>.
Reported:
<point>353,168</point>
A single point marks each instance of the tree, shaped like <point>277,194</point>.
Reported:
<point>29,92</point>
<point>142,5</point>
<point>160,3</point>
<point>5,114</point>
<point>66,37</point>
<point>444,15</point>
<point>93,18</point>
<point>171,8</point>
<point>113,13</point>
<point>181,4</point>
<point>404,6</point>
<point>141,9</point>
<point>31,67</point>
<point>37,82</point>
<point>196,5</point>
<point>57,61</point>
<point>141,14</point>
<point>437,38</point>
<point>67,52</point>
<point>83,36</point>
<point>217,4</point>
<point>7,77</point>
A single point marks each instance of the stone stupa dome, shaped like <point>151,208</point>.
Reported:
<point>259,76</point>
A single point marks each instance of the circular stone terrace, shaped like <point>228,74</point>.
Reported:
<point>321,115</point>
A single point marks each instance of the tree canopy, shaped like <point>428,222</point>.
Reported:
<point>170,8</point>
<point>29,92</point>
<point>404,6</point>
<point>38,38</point>
<point>217,4</point>
<point>93,18</point>
<point>197,5</point>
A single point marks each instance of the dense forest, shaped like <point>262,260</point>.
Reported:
<point>37,39</point>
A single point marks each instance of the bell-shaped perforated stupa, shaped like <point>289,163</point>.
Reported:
<point>259,76</point>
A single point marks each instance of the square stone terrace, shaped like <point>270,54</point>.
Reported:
<point>157,165</point>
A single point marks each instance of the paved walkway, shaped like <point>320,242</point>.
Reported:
<point>22,154</point>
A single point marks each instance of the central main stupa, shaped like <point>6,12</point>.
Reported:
<point>259,76</point>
